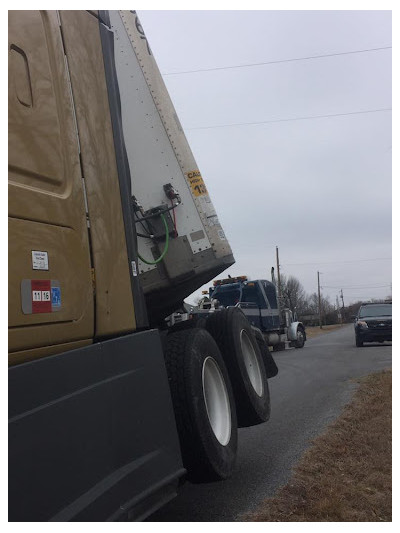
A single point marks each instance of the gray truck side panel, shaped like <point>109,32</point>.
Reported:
<point>102,434</point>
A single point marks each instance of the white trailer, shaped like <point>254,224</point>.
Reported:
<point>164,176</point>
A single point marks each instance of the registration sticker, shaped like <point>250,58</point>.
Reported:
<point>196,183</point>
<point>41,300</point>
<point>40,296</point>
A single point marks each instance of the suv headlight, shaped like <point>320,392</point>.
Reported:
<point>362,324</point>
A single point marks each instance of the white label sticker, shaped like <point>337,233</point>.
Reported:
<point>207,206</point>
<point>40,260</point>
<point>134,269</point>
<point>37,296</point>
<point>213,221</point>
<point>221,235</point>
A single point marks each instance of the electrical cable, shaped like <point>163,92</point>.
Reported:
<point>362,287</point>
<point>278,61</point>
<point>165,247</point>
<point>156,214</point>
<point>145,229</point>
<point>334,262</point>
<point>312,117</point>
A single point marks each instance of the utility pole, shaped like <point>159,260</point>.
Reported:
<point>279,277</point>
<point>341,295</point>
<point>338,310</point>
<point>319,303</point>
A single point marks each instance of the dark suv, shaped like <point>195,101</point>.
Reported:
<point>373,323</point>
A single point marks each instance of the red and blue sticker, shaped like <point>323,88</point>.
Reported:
<point>40,296</point>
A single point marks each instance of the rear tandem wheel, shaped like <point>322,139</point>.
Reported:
<point>203,403</point>
<point>234,336</point>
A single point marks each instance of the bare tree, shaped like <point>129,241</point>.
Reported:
<point>311,309</point>
<point>312,304</point>
<point>293,294</point>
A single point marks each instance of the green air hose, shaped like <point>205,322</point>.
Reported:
<point>165,247</point>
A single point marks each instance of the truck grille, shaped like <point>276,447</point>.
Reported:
<point>380,324</point>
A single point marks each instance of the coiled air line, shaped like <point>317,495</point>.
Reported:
<point>165,247</point>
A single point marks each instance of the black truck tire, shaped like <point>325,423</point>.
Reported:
<point>359,342</point>
<point>203,403</point>
<point>301,337</point>
<point>233,334</point>
<point>201,322</point>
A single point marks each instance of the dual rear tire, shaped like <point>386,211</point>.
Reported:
<point>241,353</point>
<point>203,403</point>
<point>218,382</point>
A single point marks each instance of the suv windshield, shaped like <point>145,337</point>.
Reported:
<point>376,310</point>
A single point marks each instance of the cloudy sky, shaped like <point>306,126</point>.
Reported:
<point>295,149</point>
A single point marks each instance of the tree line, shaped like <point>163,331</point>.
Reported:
<point>294,297</point>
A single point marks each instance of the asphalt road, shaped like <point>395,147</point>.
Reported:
<point>313,385</point>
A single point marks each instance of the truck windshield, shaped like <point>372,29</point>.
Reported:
<point>249,295</point>
<point>376,310</point>
<point>227,297</point>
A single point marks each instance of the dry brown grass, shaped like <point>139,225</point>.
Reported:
<point>315,331</point>
<point>346,475</point>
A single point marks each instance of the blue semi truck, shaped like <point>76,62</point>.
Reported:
<point>259,302</point>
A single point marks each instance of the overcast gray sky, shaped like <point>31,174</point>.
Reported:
<point>318,188</point>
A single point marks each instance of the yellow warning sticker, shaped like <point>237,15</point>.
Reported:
<point>196,183</point>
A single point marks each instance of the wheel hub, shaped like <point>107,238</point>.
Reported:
<point>216,400</point>
<point>251,363</point>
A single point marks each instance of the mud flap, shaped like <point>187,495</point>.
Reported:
<point>271,368</point>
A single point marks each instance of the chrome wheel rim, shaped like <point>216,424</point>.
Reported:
<point>251,363</point>
<point>300,336</point>
<point>216,400</point>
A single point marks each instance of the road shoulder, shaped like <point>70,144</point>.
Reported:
<point>346,474</point>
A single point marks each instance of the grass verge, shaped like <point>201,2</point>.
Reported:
<point>315,331</point>
<point>346,475</point>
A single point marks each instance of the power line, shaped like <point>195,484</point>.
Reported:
<point>378,299</point>
<point>334,262</point>
<point>248,65</point>
<point>358,287</point>
<point>290,119</point>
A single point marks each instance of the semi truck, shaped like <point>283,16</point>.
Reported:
<point>276,325</point>
<point>111,227</point>
<point>260,303</point>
